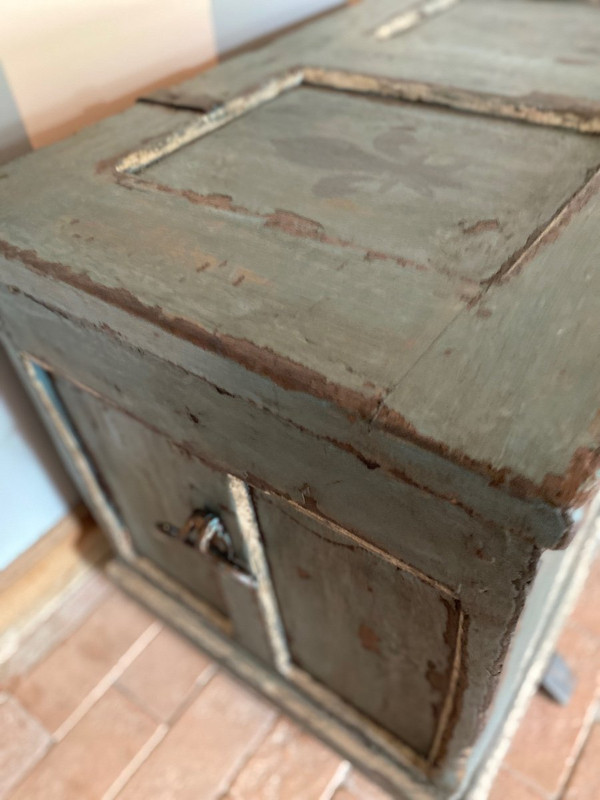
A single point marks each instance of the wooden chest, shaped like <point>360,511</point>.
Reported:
<point>317,334</point>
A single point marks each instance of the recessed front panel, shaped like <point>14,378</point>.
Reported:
<point>154,485</point>
<point>383,637</point>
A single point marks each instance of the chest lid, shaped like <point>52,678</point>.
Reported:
<point>429,272</point>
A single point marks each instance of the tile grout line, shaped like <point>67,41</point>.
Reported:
<point>129,695</point>
<point>573,760</point>
<point>136,762</point>
<point>108,680</point>
<point>337,780</point>
<point>201,682</point>
<point>48,746</point>
<point>161,731</point>
<point>245,760</point>
<point>526,781</point>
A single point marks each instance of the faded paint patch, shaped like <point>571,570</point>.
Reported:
<point>480,226</point>
<point>247,275</point>
<point>368,638</point>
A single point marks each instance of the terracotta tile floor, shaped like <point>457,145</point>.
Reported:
<point>125,708</point>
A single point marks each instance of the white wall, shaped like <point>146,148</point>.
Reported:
<point>236,21</point>
<point>65,64</point>
<point>35,492</point>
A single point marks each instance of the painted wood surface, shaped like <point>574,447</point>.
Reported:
<point>488,566</point>
<point>526,59</point>
<point>399,459</point>
<point>385,346</point>
<point>316,716</point>
<point>151,481</point>
<point>355,620</point>
<point>398,183</point>
<point>235,436</point>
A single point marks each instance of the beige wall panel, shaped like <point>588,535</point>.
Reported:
<point>70,63</point>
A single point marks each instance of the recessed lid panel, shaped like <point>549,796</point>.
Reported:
<point>428,188</point>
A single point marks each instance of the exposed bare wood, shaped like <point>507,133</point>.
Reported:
<point>209,122</point>
<point>411,18</point>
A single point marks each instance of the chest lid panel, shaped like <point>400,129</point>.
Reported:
<point>422,188</point>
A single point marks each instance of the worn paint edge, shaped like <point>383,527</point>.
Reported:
<point>534,108</point>
<point>444,727</point>
<point>369,547</point>
<point>239,491</point>
<point>223,114</point>
<point>260,570</point>
<point>290,375</point>
<point>59,422</point>
<point>546,234</point>
<point>456,661</point>
<point>383,464</point>
<point>294,376</point>
<point>411,18</point>
<point>559,491</point>
<point>294,225</point>
<point>565,492</point>
<point>483,777</point>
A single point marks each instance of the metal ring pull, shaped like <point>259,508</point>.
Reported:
<point>204,531</point>
<point>216,537</point>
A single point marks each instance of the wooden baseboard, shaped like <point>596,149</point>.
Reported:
<point>38,583</point>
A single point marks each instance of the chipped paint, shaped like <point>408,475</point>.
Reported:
<point>119,536</point>
<point>455,681</point>
<point>549,110</point>
<point>358,541</point>
<point>548,232</point>
<point>481,226</point>
<point>368,638</point>
<point>537,108</point>
<point>260,570</point>
<point>412,17</point>
<point>558,491</point>
<point>283,220</point>
<point>211,121</point>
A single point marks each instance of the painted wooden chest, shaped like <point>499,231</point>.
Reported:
<point>317,333</point>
